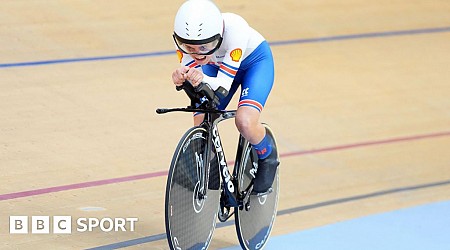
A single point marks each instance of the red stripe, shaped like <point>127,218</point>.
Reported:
<point>231,71</point>
<point>251,102</point>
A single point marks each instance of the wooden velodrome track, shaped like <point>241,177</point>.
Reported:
<point>360,107</point>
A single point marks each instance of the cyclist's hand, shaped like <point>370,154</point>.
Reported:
<point>179,75</point>
<point>195,76</point>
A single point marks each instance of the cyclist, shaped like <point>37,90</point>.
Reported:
<point>222,50</point>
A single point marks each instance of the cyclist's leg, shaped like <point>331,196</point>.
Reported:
<point>198,118</point>
<point>247,121</point>
<point>257,81</point>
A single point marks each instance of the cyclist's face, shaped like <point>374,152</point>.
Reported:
<point>196,53</point>
<point>198,49</point>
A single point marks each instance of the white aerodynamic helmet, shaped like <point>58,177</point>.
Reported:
<point>198,22</point>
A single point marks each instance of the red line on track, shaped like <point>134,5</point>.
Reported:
<point>34,192</point>
<point>80,185</point>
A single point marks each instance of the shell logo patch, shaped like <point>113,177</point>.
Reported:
<point>180,55</point>
<point>236,55</point>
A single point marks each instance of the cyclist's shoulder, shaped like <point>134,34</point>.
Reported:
<point>232,17</point>
<point>238,30</point>
<point>234,22</point>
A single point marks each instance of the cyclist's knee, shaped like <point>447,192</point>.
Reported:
<point>198,118</point>
<point>247,125</point>
<point>243,124</point>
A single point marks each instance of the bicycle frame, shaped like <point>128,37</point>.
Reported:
<point>210,123</point>
<point>206,104</point>
<point>199,176</point>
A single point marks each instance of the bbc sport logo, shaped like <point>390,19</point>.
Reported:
<point>63,224</point>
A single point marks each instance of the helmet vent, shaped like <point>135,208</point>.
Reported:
<point>200,25</point>
<point>187,29</point>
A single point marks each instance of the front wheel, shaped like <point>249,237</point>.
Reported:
<point>254,223</point>
<point>190,216</point>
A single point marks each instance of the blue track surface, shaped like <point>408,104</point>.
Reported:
<point>424,227</point>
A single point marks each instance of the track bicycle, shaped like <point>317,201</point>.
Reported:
<point>200,188</point>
